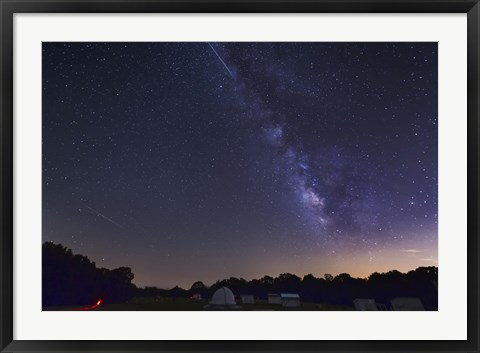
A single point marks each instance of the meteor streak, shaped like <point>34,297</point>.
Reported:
<point>219,57</point>
<point>102,215</point>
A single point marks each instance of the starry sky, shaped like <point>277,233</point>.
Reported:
<point>202,161</point>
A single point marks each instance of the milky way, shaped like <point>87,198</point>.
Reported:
<point>243,159</point>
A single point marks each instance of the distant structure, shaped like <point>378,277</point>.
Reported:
<point>368,305</point>
<point>274,298</point>
<point>247,298</point>
<point>196,296</point>
<point>222,299</point>
<point>407,304</point>
<point>365,304</point>
<point>290,300</point>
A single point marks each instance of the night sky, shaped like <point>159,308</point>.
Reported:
<point>202,161</point>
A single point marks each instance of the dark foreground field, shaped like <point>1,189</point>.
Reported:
<point>182,304</point>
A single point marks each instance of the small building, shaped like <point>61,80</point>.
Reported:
<point>407,304</point>
<point>196,296</point>
<point>365,304</point>
<point>274,298</point>
<point>290,300</point>
<point>222,299</point>
<point>247,298</point>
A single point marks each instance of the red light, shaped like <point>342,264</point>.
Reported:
<point>97,304</point>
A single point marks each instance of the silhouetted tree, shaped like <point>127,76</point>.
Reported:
<point>69,279</point>
<point>200,288</point>
<point>328,277</point>
<point>178,292</point>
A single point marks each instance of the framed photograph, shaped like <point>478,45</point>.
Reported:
<point>239,176</point>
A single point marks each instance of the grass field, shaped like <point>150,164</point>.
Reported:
<point>183,304</point>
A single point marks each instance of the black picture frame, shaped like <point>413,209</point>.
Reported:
<point>9,7</point>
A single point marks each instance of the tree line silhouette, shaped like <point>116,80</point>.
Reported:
<point>70,279</point>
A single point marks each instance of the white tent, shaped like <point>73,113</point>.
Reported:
<point>247,298</point>
<point>222,299</point>
<point>223,296</point>
<point>365,304</point>
<point>290,300</point>
<point>407,304</point>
